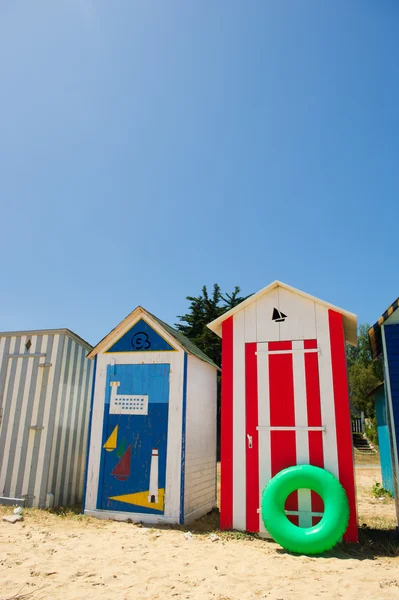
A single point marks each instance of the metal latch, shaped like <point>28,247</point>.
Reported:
<point>249,437</point>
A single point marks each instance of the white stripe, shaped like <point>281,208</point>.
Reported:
<point>250,323</point>
<point>301,436</point>
<point>11,412</point>
<point>284,428</point>
<point>239,424</point>
<point>264,422</point>
<point>21,425</point>
<point>310,515</point>
<point>71,451</point>
<point>32,432</point>
<point>2,346</point>
<point>56,433</point>
<point>83,403</point>
<point>330,450</point>
<point>46,417</point>
<point>64,426</point>
<point>296,513</point>
<point>301,350</point>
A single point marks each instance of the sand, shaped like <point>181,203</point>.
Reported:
<point>50,556</point>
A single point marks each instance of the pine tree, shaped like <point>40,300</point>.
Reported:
<point>202,310</point>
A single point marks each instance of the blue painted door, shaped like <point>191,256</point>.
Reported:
<point>134,442</point>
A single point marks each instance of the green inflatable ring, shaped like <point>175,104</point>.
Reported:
<point>310,540</point>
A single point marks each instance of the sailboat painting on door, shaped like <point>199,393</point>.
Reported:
<point>135,431</point>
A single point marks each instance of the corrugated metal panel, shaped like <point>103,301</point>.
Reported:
<point>44,401</point>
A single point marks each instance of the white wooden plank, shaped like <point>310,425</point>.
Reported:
<point>301,435</point>
<point>326,391</point>
<point>239,423</point>
<point>250,323</point>
<point>264,421</point>
<point>300,323</point>
<point>200,459</point>
<point>267,330</point>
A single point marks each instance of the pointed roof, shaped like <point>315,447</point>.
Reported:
<point>63,330</point>
<point>183,342</point>
<point>349,319</point>
<point>375,337</point>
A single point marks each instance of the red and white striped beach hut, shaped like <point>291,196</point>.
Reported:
<point>285,402</point>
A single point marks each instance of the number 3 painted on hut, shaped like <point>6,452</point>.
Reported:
<point>140,341</point>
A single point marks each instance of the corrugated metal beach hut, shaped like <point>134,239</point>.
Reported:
<point>153,425</point>
<point>45,385</point>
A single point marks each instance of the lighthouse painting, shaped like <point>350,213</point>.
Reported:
<point>135,431</point>
<point>153,492</point>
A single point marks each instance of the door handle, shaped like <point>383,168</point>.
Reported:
<point>249,438</point>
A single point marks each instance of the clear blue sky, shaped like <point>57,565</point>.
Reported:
<point>148,148</point>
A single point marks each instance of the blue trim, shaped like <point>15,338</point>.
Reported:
<point>183,441</point>
<point>89,434</point>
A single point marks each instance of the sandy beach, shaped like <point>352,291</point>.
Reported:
<point>72,556</point>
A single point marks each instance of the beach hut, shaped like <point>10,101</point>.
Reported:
<point>384,340</point>
<point>384,444</point>
<point>152,451</point>
<point>284,402</point>
<point>45,385</point>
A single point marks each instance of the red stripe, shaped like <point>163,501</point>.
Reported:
<point>226,467</point>
<point>342,419</point>
<point>252,454</point>
<point>282,413</point>
<point>316,457</point>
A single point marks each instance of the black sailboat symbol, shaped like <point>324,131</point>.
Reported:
<point>278,316</point>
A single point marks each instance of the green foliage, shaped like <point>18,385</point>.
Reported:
<point>362,381</point>
<point>364,374</point>
<point>202,310</point>
<point>371,431</point>
<point>379,492</point>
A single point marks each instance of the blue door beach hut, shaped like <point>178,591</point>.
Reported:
<point>384,339</point>
<point>152,451</point>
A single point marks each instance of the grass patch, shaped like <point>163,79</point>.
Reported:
<point>379,492</point>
